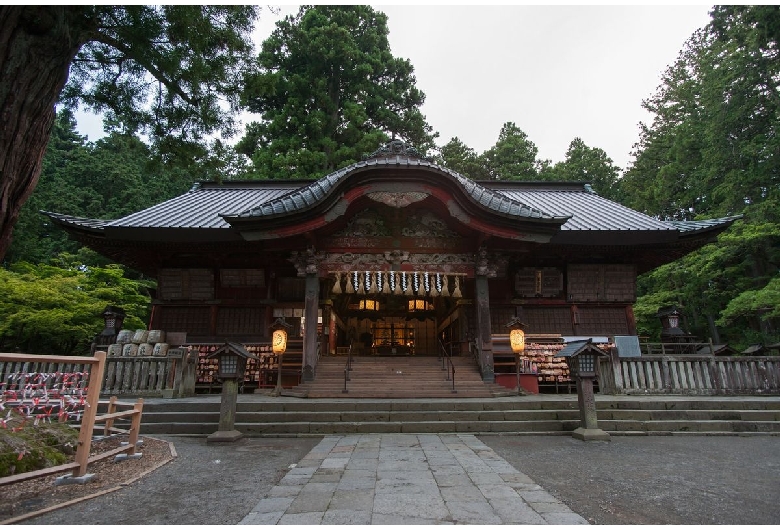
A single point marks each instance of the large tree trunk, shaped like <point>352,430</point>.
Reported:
<point>37,46</point>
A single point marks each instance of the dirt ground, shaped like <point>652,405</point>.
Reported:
<point>24,499</point>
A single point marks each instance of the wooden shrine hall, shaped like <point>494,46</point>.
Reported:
<point>393,255</point>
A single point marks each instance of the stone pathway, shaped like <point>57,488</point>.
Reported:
<point>407,479</point>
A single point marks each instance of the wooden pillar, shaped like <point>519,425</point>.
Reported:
<point>484,333</point>
<point>310,332</point>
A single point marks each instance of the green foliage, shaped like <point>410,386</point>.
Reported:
<point>329,90</point>
<point>108,179</point>
<point>764,303</point>
<point>457,156</point>
<point>195,56</point>
<point>586,164</point>
<point>56,310</point>
<point>713,149</point>
<point>513,157</point>
<point>40,446</point>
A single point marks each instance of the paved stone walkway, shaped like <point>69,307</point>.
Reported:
<point>407,479</point>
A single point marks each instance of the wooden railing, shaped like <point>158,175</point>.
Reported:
<point>676,348</point>
<point>138,376</point>
<point>690,374</point>
<point>38,381</point>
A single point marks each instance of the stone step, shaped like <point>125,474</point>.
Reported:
<point>445,426</point>
<point>604,404</point>
<point>396,377</point>
<point>510,416</point>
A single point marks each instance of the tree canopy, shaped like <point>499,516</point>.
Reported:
<point>171,72</point>
<point>711,150</point>
<point>329,90</point>
<point>514,157</point>
<point>55,309</point>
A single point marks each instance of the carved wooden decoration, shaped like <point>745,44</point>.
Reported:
<point>397,199</point>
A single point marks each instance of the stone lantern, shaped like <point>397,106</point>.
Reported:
<point>231,365</point>
<point>582,357</point>
<point>113,318</point>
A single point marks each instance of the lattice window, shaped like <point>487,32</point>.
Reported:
<point>620,283</point>
<point>193,320</point>
<point>548,320</point>
<point>240,321</point>
<point>531,282</point>
<point>614,283</point>
<point>292,289</point>
<point>602,321</point>
<point>499,317</point>
<point>242,278</point>
<point>186,284</point>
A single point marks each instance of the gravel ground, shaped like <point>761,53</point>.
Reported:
<point>630,480</point>
<point>206,484</point>
<point>655,479</point>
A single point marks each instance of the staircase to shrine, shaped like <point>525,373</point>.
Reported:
<point>396,377</point>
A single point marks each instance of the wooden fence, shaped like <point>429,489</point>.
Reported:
<point>139,376</point>
<point>31,381</point>
<point>690,374</point>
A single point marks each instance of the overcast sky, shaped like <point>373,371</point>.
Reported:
<point>558,72</point>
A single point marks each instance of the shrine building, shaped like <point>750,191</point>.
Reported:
<point>394,255</point>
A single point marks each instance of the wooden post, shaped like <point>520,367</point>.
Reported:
<point>90,411</point>
<point>484,334</point>
<point>135,425</point>
<point>617,372</point>
<point>310,332</point>
<point>110,422</point>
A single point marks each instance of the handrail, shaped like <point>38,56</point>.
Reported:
<point>474,351</point>
<point>347,369</point>
<point>673,348</point>
<point>448,355</point>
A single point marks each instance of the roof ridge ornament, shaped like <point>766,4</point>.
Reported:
<point>398,148</point>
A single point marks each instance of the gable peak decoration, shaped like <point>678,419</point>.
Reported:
<point>396,148</point>
<point>398,199</point>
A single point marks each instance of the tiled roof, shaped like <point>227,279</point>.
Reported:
<point>588,211</point>
<point>700,226</point>
<point>93,225</point>
<point>202,205</point>
<point>311,194</point>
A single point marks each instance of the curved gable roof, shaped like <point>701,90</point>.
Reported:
<point>396,156</point>
<point>555,212</point>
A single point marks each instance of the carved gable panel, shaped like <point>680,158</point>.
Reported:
<point>426,224</point>
<point>367,223</point>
